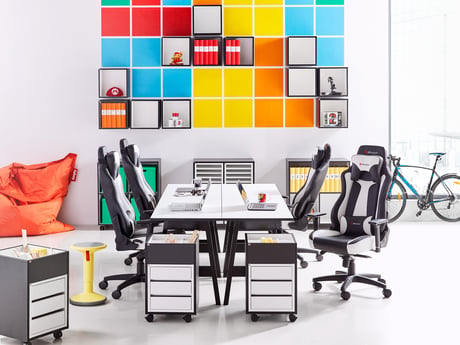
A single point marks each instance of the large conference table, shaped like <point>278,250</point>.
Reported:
<point>223,203</point>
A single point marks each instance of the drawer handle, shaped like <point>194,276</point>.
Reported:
<point>52,312</point>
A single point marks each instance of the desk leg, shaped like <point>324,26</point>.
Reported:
<point>231,259</point>
<point>212,260</point>
<point>228,232</point>
<point>215,240</point>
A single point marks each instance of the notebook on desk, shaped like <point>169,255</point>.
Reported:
<point>190,206</point>
<point>255,206</point>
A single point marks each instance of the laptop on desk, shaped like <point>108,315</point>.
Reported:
<point>190,206</point>
<point>255,206</point>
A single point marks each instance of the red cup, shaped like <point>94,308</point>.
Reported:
<point>262,197</point>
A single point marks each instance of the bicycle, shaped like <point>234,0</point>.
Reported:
<point>443,196</point>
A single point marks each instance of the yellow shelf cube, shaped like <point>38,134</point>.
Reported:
<point>238,82</point>
<point>237,113</point>
<point>268,21</point>
<point>237,21</point>
<point>207,82</point>
<point>207,113</point>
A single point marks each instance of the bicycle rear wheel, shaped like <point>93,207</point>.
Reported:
<point>445,205</point>
<point>397,199</point>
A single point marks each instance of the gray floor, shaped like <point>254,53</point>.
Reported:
<point>419,264</point>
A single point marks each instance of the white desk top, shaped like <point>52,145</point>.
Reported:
<point>233,206</point>
<point>223,202</point>
<point>211,208</point>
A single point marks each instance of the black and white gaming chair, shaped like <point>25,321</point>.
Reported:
<point>359,219</point>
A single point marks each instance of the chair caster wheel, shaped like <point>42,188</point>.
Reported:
<point>317,286</point>
<point>345,295</point>
<point>149,317</point>
<point>386,293</point>
<point>128,261</point>
<point>187,318</point>
<point>27,343</point>
<point>319,257</point>
<point>303,264</point>
<point>101,227</point>
<point>103,285</point>
<point>255,317</point>
<point>116,294</point>
<point>292,317</point>
<point>57,335</point>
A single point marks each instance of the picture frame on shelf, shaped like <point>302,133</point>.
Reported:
<point>301,82</point>
<point>176,114</point>
<point>113,82</point>
<point>207,20</point>
<point>175,51</point>
<point>332,113</point>
<point>333,81</point>
<point>301,50</point>
<point>145,114</point>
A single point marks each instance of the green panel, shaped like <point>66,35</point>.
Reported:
<point>330,2</point>
<point>150,173</point>
<point>115,2</point>
<point>104,217</point>
<point>136,211</point>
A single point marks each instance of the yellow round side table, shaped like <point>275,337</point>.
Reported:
<point>88,297</point>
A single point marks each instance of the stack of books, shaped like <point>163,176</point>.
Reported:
<point>113,115</point>
<point>206,52</point>
<point>232,52</point>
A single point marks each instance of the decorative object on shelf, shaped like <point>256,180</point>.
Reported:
<point>176,58</point>
<point>332,119</point>
<point>114,92</point>
<point>333,81</point>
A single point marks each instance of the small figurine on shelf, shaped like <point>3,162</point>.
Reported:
<point>114,92</point>
<point>176,59</point>
<point>332,88</point>
<point>173,121</point>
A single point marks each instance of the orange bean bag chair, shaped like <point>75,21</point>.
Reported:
<point>31,196</point>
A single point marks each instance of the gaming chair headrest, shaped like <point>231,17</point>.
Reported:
<point>372,150</point>
<point>321,157</point>
<point>131,151</point>
<point>112,159</point>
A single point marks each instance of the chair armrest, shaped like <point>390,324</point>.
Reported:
<point>376,226</point>
<point>315,216</point>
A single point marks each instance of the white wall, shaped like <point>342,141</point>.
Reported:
<point>50,54</point>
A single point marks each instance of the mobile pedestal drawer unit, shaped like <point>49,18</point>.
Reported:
<point>33,292</point>
<point>271,278</point>
<point>172,275</point>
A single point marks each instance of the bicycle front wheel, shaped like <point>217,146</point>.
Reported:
<point>445,198</point>
<point>397,199</point>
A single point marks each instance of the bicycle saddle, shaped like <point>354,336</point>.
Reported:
<point>438,154</point>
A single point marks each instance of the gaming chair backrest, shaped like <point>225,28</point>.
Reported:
<point>144,196</point>
<point>305,198</point>
<point>120,209</point>
<point>363,197</point>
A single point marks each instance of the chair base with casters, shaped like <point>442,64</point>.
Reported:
<point>302,225</point>
<point>351,277</point>
<point>129,278</point>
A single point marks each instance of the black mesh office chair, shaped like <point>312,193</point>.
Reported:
<point>123,218</point>
<point>305,198</point>
<point>359,219</point>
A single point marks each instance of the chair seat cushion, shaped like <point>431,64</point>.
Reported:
<point>334,242</point>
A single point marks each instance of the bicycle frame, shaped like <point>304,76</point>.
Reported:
<point>425,199</point>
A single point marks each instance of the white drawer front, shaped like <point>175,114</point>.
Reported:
<point>272,288</point>
<point>171,272</point>
<point>171,288</point>
<point>47,323</point>
<point>271,272</point>
<point>47,305</point>
<point>170,304</point>
<point>271,303</point>
<point>48,287</point>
